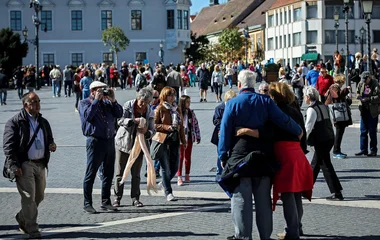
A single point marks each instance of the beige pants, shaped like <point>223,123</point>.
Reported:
<point>31,186</point>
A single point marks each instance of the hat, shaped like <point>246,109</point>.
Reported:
<point>97,84</point>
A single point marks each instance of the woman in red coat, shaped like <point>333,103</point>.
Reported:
<point>323,84</point>
<point>114,76</point>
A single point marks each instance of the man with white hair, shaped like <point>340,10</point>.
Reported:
<point>250,110</point>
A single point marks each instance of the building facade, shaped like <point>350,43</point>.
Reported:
<point>71,30</point>
<point>295,28</point>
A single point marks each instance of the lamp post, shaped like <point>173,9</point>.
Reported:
<point>35,4</point>
<point>362,32</point>
<point>246,36</point>
<point>184,55</point>
<point>336,25</point>
<point>367,6</point>
<point>345,11</point>
<point>161,52</point>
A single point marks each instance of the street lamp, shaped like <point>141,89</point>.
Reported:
<point>161,52</point>
<point>361,40</point>
<point>346,8</point>
<point>336,18</point>
<point>246,36</point>
<point>184,54</point>
<point>367,6</point>
<point>35,4</point>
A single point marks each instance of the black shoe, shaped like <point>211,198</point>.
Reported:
<point>146,175</point>
<point>361,153</point>
<point>232,238</point>
<point>201,100</point>
<point>21,224</point>
<point>372,154</point>
<point>89,209</point>
<point>205,100</point>
<point>108,207</point>
<point>158,175</point>
<point>335,197</point>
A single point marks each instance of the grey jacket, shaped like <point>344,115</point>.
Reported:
<point>126,134</point>
<point>174,79</point>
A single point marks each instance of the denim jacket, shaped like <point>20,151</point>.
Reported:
<point>126,134</point>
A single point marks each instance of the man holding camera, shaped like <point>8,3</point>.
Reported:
<point>98,113</point>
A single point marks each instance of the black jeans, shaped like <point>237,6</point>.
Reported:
<point>78,96</point>
<point>99,152</point>
<point>69,85</point>
<point>340,128</point>
<point>322,160</point>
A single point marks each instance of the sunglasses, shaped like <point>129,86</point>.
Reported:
<point>155,97</point>
<point>265,90</point>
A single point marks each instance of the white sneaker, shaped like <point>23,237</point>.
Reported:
<point>180,181</point>
<point>170,197</point>
<point>161,187</point>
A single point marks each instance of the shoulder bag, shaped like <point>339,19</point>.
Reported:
<point>339,111</point>
<point>158,145</point>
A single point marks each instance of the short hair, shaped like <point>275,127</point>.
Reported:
<point>263,85</point>
<point>86,73</point>
<point>145,94</point>
<point>281,93</point>
<point>229,95</point>
<point>311,92</point>
<point>26,97</point>
<point>98,72</point>
<point>358,55</point>
<point>165,92</point>
<point>339,78</point>
<point>247,79</point>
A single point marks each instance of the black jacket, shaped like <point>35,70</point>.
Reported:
<point>16,138</point>
<point>4,82</point>
<point>217,119</point>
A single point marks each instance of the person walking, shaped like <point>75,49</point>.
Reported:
<point>85,84</point>
<point>320,134</point>
<point>168,121</point>
<point>68,80</point>
<point>28,141</point>
<point>192,134</point>
<point>124,74</point>
<point>98,114</point>
<point>174,80</point>
<point>323,84</point>
<point>29,80</point>
<point>77,88</point>
<point>203,76</point>
<point>4,85</point>
<point>55,75</point>
<point>229,74</point>
<point>217,82</point>
<point>19,75</point>
<point>368,93</point>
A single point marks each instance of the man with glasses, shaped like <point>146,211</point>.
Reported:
<point>28,141</point>
<point>323,84</point>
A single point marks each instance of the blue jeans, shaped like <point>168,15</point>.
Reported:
<point>55,87</point>
<point>59,88</point>
<point>157,166</point>
<point>3,95</point>
<point>230,81</point>
<point>368,124</point>
<point>219,168</point>
<point>169,164</point>
<point>85,94</point>
<point>99,152</point>
<point>20,91</point>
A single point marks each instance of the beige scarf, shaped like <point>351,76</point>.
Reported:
<point>139,146</point>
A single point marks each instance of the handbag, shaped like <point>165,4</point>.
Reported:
<point>8,171</point>
<point>158,145</point>
<point>339,111</point>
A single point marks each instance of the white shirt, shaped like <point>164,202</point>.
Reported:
<point>311,118</point>
<point>33,152</point>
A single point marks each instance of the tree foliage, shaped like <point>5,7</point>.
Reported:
<point>12,50</point>
<point>231,41</point>
<point>115,39</point>
<point>198,48</point>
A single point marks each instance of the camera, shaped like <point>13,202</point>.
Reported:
<point>105,92</point>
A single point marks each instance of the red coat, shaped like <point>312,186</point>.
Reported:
<point>324,83</point>
<point>113,73</point>
<point>295,175</point>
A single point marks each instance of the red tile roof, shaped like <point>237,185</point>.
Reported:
<point>257,17</point>
<point>282,3</point>
<point>204,18</point>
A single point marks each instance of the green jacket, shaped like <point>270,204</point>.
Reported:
<point>373,105</point>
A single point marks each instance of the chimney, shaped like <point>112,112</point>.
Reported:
<point>214,2</point>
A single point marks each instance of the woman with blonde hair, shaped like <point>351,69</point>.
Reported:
<point>282,75</point>
<point>168,122</point>
<point>217,80</point>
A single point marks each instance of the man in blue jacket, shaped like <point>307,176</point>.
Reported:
<point>98,114</point>
<point>251,110</point>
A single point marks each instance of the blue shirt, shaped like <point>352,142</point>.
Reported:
<point>85,83</point>
<point>251,110</point>
<point>98,117</point>
<point>312,77</point>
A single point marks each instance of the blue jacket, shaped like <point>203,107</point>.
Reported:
<point>312,77</point>
<point>251,110</point>
<point>98,118</point>
<point>217,119</point>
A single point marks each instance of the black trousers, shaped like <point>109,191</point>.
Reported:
<point>322,160</point>
<point>340,127</point>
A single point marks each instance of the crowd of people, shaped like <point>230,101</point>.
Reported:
<point>261,137</point>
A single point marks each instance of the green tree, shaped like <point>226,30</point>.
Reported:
<point>12,50</point>
<point>231,41</point>
<point>198,48</point>
<point>115,38</point>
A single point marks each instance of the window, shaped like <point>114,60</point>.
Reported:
<point>276,43</point>
<point>286,17</point>
<point>76,59</point>
<point>270,44</point>
<point>16,20</point>
<point>296,39</point>
<point>136,19</point>
<point>376,12</point>
<point>296,60</point>
<point>330,36</point>
<point>270,21</point>
<point>140,56</point>
<point>280,18</point>
<point>179,19</point>
<point>106,19</point>
<point>330,10</point>
<point>289,40</point>
<point>280,43</point>
<point>312,37</point>
<point>46,21</point>
<point>285,45</point>
<point>276,19</point>
<point>376,36</point>
<point>76,20</point>
<point>108,58</point>
<point>312,11</point>
<point>186,20</point>
<point>297,14</point>
<point>170,19</point>
<point>48,59</point>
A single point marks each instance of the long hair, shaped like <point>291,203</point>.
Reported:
<point>281,93</point>
<point>165,92</point>
<point>182,104</point>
